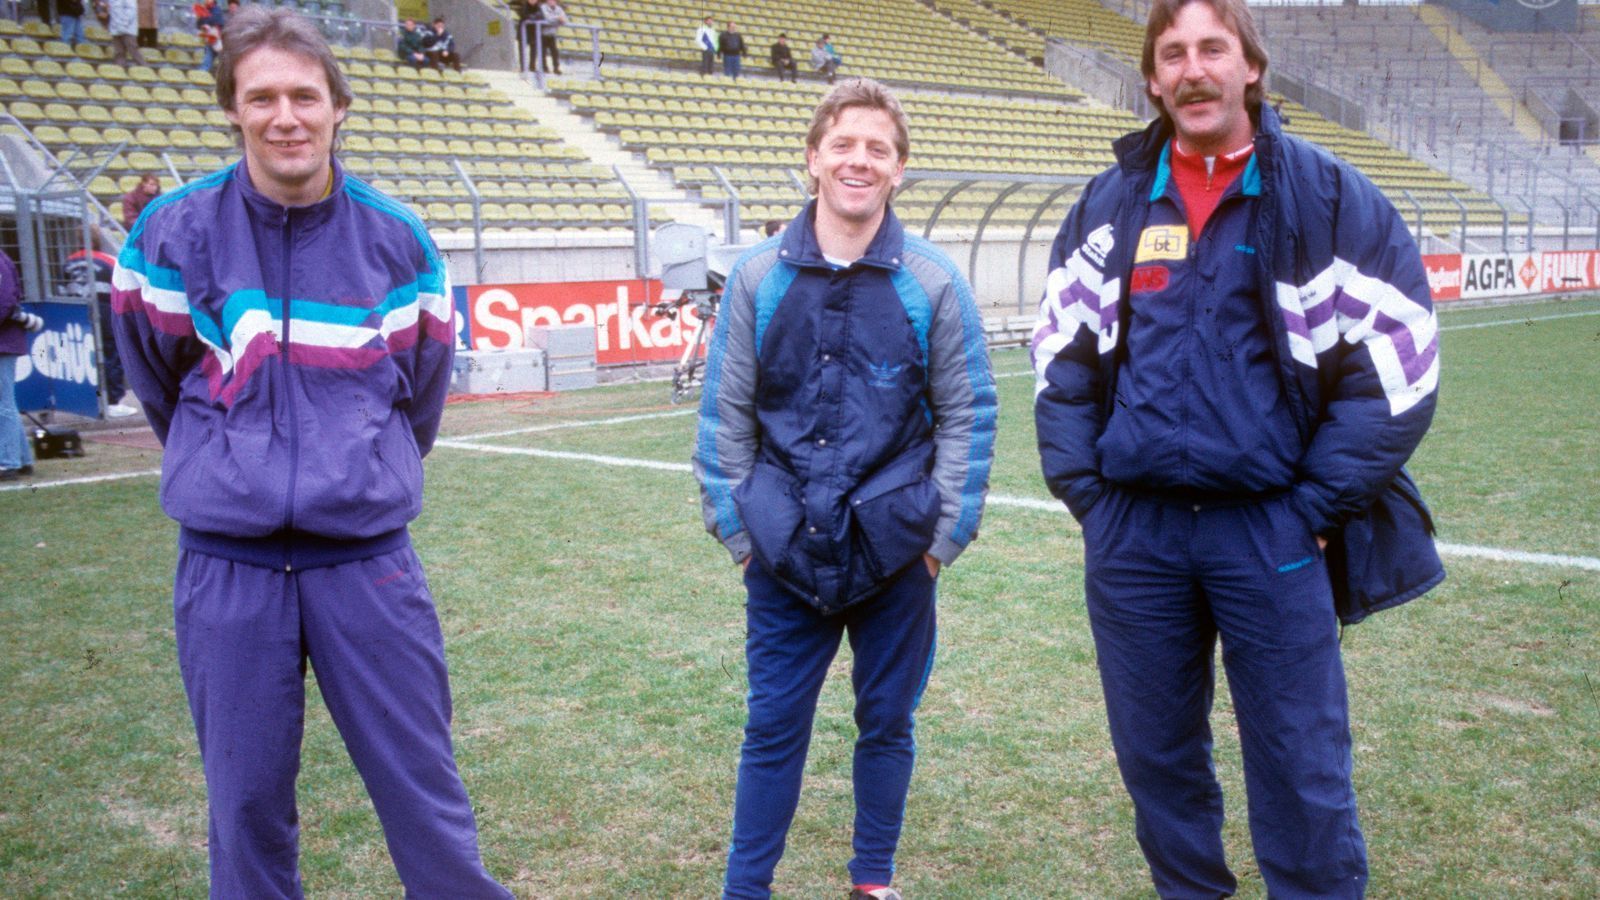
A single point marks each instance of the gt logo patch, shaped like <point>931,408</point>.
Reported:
<point>1163,242</point>
<point>1149,280</point>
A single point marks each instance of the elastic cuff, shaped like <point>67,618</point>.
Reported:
<point>945,550</point>
<point>738,546</point>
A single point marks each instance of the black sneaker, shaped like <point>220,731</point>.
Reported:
<point>884,893</point>
<point>9,474</point>
<point>25,470</point>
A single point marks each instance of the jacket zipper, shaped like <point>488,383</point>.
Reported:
<point>288,369</point>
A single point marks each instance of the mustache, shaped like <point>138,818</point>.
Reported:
<point>1196,93</point>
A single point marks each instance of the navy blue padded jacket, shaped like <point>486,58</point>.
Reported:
<point>847,424</point>
<point>1345,293</point>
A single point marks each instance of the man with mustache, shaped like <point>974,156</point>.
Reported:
<point>1235,354</point>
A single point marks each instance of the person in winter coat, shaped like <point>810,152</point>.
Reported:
<point>1235,354</point>
<point>71,14</point>
<point>124,27</point>
<point>288,331</point>
<point>730,46</point>
<point>16,454</point>
<point>705,40</point>
<point>846,434</point>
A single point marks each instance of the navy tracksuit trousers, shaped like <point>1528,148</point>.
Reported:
<point>369,629</point>
<point>1164,579</point>
<point>788,648</point>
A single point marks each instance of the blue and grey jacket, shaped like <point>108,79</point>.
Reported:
<point>293,361</point>
<point>847,425</point>
<point>1345,294</point>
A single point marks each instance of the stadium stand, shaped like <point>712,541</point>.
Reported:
<point>968,70</point>
<point>895,41</point>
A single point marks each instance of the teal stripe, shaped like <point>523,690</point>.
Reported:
<point>919,308</point>
<point>1250,183</point>
<point>365,194</point>
<point>769,294</point>
<point>1163,173</point>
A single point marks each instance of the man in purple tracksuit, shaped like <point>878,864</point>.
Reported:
<point>288,330</point>
<point>1236,353</point>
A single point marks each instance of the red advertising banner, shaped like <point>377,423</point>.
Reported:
<point>1444,275</point>
<point>1568,270</point>
<point>499,315</point>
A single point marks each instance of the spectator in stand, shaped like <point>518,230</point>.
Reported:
<point>71,13</point>
<point>413,45</point>
<point>43,8</point>
<point>783,58</point>
<point>823,60</point>
<point>551,17</point>
<point>441,46</point>
<point>16,457</point>
<point>730,44</point>
<point>134,201</point>
<point>773,226</point>
<point>123,23</point>
<point>149,24</point>
<point>705,40</point>
<point>209,19</point>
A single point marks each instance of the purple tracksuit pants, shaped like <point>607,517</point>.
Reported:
<point>368,628</point>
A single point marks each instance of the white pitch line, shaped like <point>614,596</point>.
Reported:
<point>67,482</point>
<point>582,423</point>
<point>1542,559</point>
<point>623,461</point>
<point>1029,503</point>
<point>1522,321</point>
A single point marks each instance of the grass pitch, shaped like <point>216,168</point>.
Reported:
<point>595,634</point>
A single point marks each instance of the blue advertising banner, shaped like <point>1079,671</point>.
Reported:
<point>60,371</point>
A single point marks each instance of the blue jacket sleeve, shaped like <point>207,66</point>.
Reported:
<point>1369,328</point>
<point>962,396</point>
<point>1077,322</point>
<point>728,434</point>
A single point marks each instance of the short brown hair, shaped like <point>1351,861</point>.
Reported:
<point>1235,16</point>
<point>866,94</point>
<point>280,28</point>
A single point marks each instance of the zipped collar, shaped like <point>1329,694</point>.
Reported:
<point>1142,151</point>
<point>272,212</point>
<point>799,242</point>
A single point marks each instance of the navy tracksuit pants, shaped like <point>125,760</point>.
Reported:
<point>369,629</point>
<point>788,648</point>
<point>1163,581</point>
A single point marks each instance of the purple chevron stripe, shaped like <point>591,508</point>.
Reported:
<point>1078,292</point>
<point>336,357</point>
<point>171,324</point>
<point>1296,323</point>
<point>1043,334</point>
<point>1349,305</point>
<point>1413,362</point>
<point>245,364</point>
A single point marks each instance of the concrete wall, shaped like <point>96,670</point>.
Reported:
<point>578,256</point>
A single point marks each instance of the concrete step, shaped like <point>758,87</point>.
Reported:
<point>603,150</point>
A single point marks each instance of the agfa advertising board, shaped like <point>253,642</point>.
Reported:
<point>498,316</point>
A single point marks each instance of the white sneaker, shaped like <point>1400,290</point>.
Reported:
<point>119,411</point>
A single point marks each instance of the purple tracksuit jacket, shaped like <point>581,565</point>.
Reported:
<point>294,363</point>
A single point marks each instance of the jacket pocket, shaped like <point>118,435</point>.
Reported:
<point>769,502</point>
<point>1385,556</point>
<point>894,513</point>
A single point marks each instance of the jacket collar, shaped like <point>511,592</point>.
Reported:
<point>799,242</point>
<point>272,211</point>
<point>1142,150</point>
